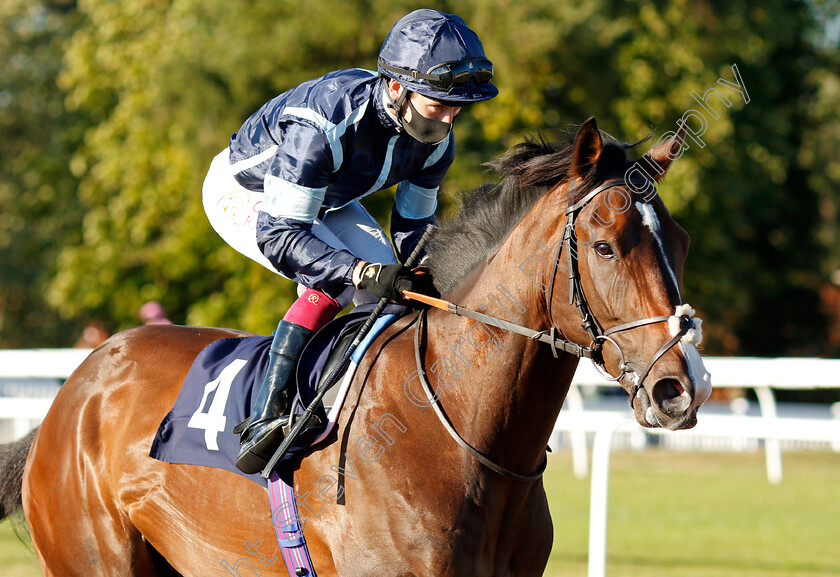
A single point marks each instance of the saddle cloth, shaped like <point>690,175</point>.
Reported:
<point>219,389</point>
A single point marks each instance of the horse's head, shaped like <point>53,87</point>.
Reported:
<point>628,254</point>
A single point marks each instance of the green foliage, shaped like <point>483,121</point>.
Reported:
<point>106,203</point>
<point>38,209</point>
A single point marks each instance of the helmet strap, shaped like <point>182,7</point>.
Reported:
<point>397,105</point>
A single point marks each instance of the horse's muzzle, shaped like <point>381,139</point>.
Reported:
<point>672,406</point>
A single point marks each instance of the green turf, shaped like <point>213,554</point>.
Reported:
<point>17,558</point>
<point>673,515</point>
<point>703,515</point>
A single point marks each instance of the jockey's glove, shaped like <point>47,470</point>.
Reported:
<point>390,280</point>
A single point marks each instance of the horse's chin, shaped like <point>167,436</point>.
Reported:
<point>647,415</point>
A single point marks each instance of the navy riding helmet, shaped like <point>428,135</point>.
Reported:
<point>438,56</point>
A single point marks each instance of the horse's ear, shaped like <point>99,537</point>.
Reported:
<point>664,153</point>
<point>588,145</point>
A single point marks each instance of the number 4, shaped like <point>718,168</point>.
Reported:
<point>213,421</point>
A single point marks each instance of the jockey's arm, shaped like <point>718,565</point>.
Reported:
<point>294,192</point>
<point>415,201</point>
<point>301,256</point>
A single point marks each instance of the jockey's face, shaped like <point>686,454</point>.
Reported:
<point>425,106</point>
<point>432,109</point>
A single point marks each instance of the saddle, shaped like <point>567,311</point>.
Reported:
<point>218,390</point>
<point>323,354</point>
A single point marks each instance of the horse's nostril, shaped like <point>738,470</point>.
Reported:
<point>669,388</point>
<point>670,396</point>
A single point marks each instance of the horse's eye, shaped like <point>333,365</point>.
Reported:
<point>603,249</point>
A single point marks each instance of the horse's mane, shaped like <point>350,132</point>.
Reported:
<point>488,213</point>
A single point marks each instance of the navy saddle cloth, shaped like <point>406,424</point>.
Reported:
<point>218,393</point>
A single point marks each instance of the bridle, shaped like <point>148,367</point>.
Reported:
<point>589,323</point>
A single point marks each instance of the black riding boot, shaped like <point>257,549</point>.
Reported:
<point>263,431</point>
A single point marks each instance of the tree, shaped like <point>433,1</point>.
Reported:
<point>160,85</point>
<point>38,209</point>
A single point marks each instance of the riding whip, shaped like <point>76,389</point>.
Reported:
<point>306,416</point>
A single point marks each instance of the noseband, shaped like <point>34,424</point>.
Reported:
<point>588,321</point>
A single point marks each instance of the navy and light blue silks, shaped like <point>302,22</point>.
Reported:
<point>333,140</point>
<point>320,146</point>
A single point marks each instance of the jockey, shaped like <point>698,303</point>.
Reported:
<point>286,191</point>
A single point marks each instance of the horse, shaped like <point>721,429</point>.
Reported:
<point>390,492</point>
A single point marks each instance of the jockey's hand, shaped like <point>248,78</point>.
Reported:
<point>423,284</point>
<point>389,280</point>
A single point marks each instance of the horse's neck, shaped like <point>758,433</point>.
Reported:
<point>502,391</point>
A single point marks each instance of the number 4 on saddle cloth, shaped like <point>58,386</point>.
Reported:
<point>218,391</point>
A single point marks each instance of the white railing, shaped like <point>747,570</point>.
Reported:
<point>27,410</point>
<point>761,375</point>
<point>24,413</point>
<point>40,363</point>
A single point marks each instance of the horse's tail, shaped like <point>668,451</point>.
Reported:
<point>12,460</point>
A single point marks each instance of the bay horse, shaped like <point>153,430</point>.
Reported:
<point>390,492</point>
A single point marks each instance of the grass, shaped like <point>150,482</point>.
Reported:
<point>17,558</point>
<point>703,515</point>
<point>672,515</point>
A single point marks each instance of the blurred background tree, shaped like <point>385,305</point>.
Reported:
<point>113,110</point>
<point>39,211</point>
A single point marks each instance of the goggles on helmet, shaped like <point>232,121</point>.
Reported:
<point>450,75</point>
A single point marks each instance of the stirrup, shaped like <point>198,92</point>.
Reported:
<point>257,450</point>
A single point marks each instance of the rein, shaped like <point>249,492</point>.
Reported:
<point>419,353</point>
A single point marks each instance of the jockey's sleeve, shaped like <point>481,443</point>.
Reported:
<point>295,185</point>
<point>416,200</point>
<point>303,257</point>
<point>406,233</point>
